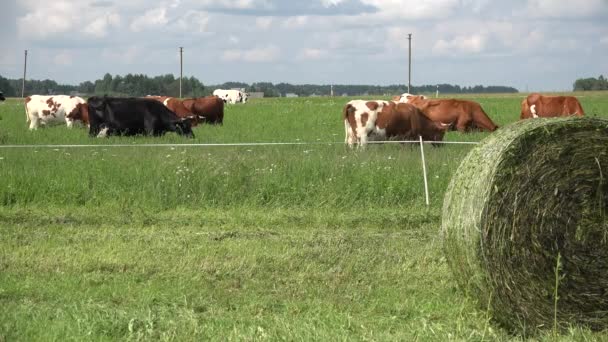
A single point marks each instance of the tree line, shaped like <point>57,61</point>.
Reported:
<point>142,85</point>
<point>591,83</point>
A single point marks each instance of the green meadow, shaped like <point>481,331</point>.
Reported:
<point>309,241</point>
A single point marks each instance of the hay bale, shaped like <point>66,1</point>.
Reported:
<point>531,192</point>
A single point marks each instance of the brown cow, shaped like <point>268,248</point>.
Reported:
<point>381,120</point>
<point>176,106</point>
<point>211,107</point>
<point>537,105</point>
<point>462,115</point>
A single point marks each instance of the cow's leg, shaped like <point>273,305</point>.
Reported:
<point>463,123</point>
<point>34,122</point>
<point>69,122</point>
<point>349,134</point>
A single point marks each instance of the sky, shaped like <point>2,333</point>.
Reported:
<point>532,45</point>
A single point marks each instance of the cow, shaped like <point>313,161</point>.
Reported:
<point>537,105</point>
<point>463,115</point>
<point>211,107</point>
<point>132,116</point>
<point>2,98</point>
<point>177,107</point>
<point>230,96</point>
<point>382,120</point>
<point>44,109</point>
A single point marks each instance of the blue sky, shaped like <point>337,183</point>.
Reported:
<point>538,45</point>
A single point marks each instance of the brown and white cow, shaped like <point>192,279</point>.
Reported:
<point>211,107</point>
<point>382,120</point>
<point>464,115</point>
<point>537,105</point>
<point>41,109</point>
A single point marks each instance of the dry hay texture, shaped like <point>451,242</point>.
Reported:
<point>528,193</point>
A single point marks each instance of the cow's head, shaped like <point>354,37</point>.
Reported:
<point>437,131</point>
<point>183,126</point>
<point>245,97</point>
<point>80,113</point>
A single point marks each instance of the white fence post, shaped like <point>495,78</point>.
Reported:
<point>426,185</point>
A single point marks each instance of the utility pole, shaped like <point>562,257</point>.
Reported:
<point>181,70</point>
<point>24,71</point>
<point>409,74</point>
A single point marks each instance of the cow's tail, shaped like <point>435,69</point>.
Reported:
<point>347,127</point>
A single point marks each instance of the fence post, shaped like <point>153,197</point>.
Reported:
<point>426,185</point>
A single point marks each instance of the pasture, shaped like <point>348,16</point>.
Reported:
<point>283,242</point>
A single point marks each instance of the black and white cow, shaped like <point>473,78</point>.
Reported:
<point>2,98</point>
<point>132,116</point>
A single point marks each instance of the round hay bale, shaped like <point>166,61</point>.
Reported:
<point>525,218</point>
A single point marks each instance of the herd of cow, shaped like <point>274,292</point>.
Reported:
<point>405,117</point>
<point>151,115</point>
<point>408,117</point>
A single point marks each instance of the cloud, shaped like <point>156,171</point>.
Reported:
<point>471,44</point>
<point>288,8</point>
<point>47,20</point>
<point>99,27</point>
<point>150,19</point>
<point>192,22</point>
<point>312,54</point>
<point>295,22</point>
<point>566,8</point>
<point>255,55</point>
<point>263,23</point>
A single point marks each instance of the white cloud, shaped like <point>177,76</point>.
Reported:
<point>193,22</point>
<point>47,20</point>
<point>414,9</point>
<point>256,55</point>
<point>312,54</point>
<point>155,18</point>
<point>329,3</point>
<point>295,22</point>
<point>460,45</point>
<point>566,8</point>
<point>99,27</point>
<point>263,23</point>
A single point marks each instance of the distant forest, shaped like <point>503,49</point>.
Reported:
<point>141,85</point>
<point>599,83</point>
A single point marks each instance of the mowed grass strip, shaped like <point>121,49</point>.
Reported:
<point>233,243</point>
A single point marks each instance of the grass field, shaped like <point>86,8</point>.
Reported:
<point>298,242</point>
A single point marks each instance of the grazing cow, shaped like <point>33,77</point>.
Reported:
<point>537,105</point>
<point>381,120</point>
<point>41,109</point>
<point>177,107</point>
<point>211,107</point>
<point>230,96</point>
<point>131,116</point>
<point>462,114</point>
<point>2,98</point>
